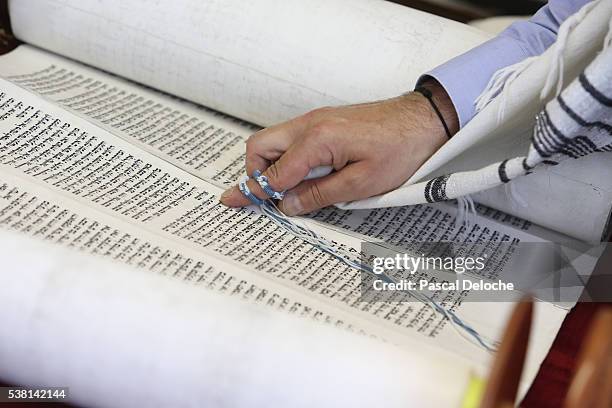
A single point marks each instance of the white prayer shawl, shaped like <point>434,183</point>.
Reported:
<point>575,123</point>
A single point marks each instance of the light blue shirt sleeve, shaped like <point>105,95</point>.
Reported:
<point>466,76</point>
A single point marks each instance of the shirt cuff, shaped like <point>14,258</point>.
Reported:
<point>466,76</point>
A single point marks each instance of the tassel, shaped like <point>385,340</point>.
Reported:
<point>514,195</point>
<point>498,84</point>
<point>299,230</point>
<point>555,74</point>
<point>466,210</point>
<point>501,79</point>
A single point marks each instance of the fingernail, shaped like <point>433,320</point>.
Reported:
<point>226,194</point>
<point>291,204</point>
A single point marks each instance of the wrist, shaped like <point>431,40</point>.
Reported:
<point>421,123</point>
<point>444,104</point>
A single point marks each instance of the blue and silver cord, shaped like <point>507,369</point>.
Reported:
<point>269,209</point>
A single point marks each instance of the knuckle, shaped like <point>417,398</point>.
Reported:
<point>317,113</point>
<point>321,130</point>
<point>254,136</point>
<point>255,139</point>
<point>317,196</point>
<point>273,174</point>
<point>251,145</point>
<point>323,110</point>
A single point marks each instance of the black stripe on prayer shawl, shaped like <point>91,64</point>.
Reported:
<point>548,144</point>
<point>573,147</point>
<point>438,188</point>
<point>591,90</point>
<point>606,148</point>
<point>557,138</point>
<point>539,140</point>
<point>584,145</point>
<point>550,127</point>
<point>435,189</point>
<point>579,120</point>
<point>501,171</point>
<point>545,142</point>
<point>577,147</point>
<point>428,191</point>
<point>535,140</point>
<point>526,167</point>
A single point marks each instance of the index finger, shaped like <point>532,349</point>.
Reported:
<point>269,144</point>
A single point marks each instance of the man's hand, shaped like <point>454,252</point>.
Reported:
<point>373,148</point>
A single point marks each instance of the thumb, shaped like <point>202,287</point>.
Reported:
<point>345,185</point>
